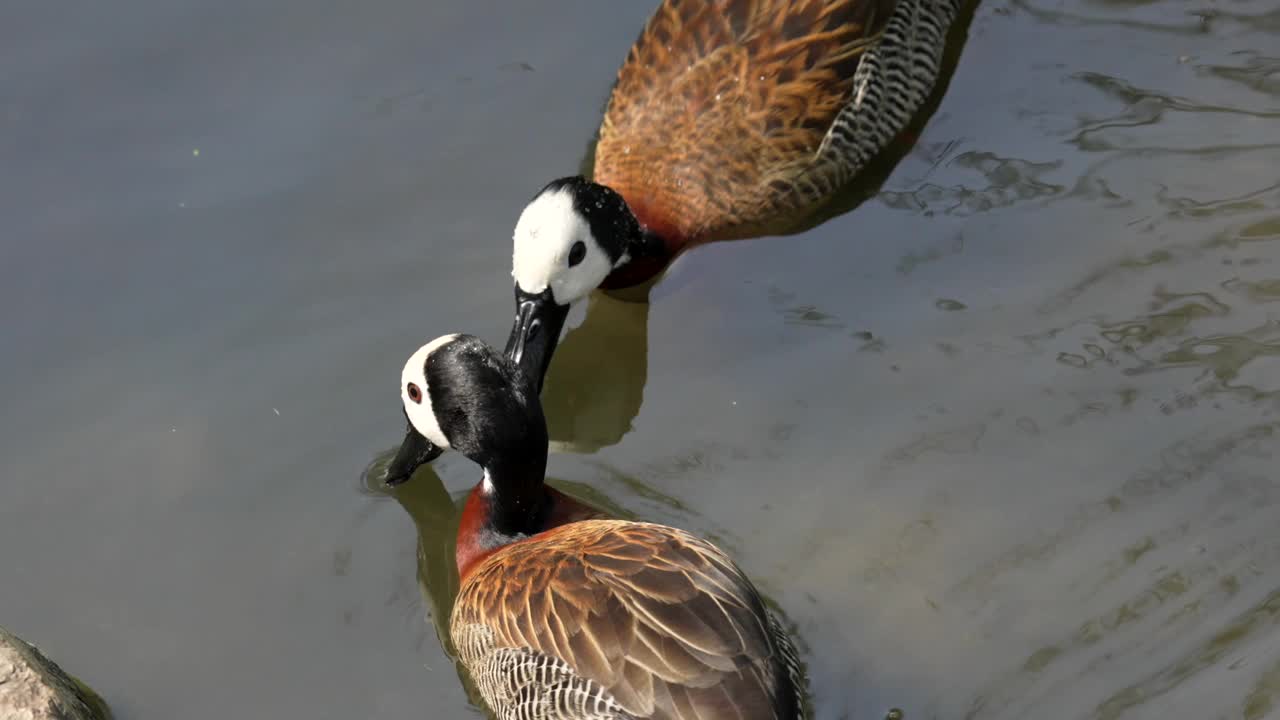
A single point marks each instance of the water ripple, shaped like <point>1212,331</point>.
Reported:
<point>1009,181</point>
<point>1256,71</point>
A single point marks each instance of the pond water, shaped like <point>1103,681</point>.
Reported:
<point>999,441</point>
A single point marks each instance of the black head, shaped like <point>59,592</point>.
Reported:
<point>458,393</point>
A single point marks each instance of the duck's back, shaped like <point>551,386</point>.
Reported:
<point>721,121</point>
<point>616,620</point>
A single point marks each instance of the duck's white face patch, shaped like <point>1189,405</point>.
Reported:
<point>419,410</point>
<point>545,237</point>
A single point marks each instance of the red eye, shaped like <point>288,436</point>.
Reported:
<point>415,393</point>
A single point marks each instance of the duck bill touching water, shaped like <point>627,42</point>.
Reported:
<point>562,614</point>
<point>729,119</point>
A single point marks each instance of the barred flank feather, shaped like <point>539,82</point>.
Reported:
<point>736,118</point>
<point>523,684</point>
<point>790,661</point>
<point>618,620</point>
<point>893,80</point>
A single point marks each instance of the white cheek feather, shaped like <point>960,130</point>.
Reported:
<point>486,485</point>
<point>546,231</point>
<point>585,276</point>
<point>421,414</point>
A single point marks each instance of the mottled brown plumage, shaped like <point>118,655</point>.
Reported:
<point>718,126</point>
<point>647,620</point>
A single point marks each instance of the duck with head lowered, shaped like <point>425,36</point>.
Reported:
<point>729,119</point>
<point>565,615</point>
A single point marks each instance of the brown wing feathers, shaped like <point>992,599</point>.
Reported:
<point>660,620</point>
<point>722,105</point>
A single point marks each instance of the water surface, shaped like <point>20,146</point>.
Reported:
<point>999,441</point>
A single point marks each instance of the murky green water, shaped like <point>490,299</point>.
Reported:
<point>1000,441</point>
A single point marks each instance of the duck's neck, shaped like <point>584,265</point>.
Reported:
<point>655,254</point>
<point>510,503</point>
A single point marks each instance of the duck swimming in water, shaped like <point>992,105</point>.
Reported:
<point>729,119</point>
<point>565,615</point>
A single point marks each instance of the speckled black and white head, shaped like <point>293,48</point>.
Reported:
<point>568,239</point>
<point>460,394</point>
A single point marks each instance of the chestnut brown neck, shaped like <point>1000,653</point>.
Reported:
<point>661,243</point>
<point>474,543</point>
<point>635,272</point>
<point>477,541</point>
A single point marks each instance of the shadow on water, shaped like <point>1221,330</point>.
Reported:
<point>595,385</point>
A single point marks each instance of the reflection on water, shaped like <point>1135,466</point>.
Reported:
<point>595,385</point>
<point>1123,15</point>
<point>1171,336</point>
<point>1252,70</point>
<point>1153,594</point>
<point>1009,181</point>
<point>435,515</point>
<point>1260,618</point>
<point>1225,357</point>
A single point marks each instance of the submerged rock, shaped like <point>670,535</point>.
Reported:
<point>32,687</point>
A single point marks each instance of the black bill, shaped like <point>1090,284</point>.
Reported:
<point>539,319</point>
<point>415,452</point>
